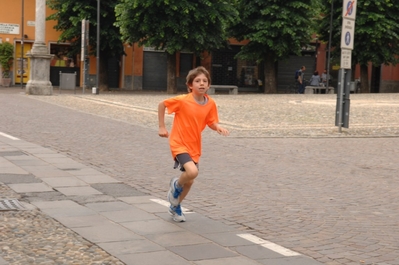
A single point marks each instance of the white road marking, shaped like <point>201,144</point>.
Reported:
<point>166,204</point>
<point>9,136</point>
<point>269,245</point>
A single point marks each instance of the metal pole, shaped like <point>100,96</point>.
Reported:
<point>341,95</point>
<point>22,46</point>
<point>98,48</point>
<point>329,45</point>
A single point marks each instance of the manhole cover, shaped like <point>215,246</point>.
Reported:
<point>11,205</point>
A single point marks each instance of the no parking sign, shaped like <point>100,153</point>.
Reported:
<point>349,9</point>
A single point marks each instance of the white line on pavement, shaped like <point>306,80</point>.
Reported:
<point>9,136</point>
<point>166,204</point>
<point>270,245</point>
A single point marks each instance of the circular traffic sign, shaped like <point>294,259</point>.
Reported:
<point>349,7</point>
<point>347,38</point>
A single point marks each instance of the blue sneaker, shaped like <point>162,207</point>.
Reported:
<point>177,213</point>
<point>174,192</point>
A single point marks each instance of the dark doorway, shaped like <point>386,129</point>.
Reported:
<point>375,79</point>
<point>113,72</point>
<point>224,66</point>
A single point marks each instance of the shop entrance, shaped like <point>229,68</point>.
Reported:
<point>25,71</point>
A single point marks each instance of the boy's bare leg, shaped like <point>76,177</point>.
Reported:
<point>186,179</point>
<point>186,189</point>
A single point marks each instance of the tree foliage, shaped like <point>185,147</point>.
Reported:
<point>69,15</point>
<point>275,29</point>
<point>176,25</point>
<point>376,37</point>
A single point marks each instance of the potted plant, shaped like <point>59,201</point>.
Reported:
<point>6,59</point>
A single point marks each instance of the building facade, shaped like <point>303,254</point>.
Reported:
<point>144,68</point>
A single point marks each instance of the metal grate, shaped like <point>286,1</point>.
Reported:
<point>11,205</point>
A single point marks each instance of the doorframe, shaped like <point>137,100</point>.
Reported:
<point>15,63</point>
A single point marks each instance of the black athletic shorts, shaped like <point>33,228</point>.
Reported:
<point>181,159</point>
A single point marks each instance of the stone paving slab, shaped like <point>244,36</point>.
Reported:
<point>29,161</point>
<point>85,171</point>
<point>47,171</point>
<point>97,179</point>
<point>110,232</point>
<point>227,239</point>
<point>131,215</point>
<point>229,261</point>
<point>153,258</point>
<point>202,252</point>
<point>9,154</point>
<point>152,207</point>
<point>109,206</point>
<point>151,227</point>
<point>288,261</point>
<point>68,212</point>
<point>204,225</point>
<point>83,221</point>
<point>117,189</point>
<point>30,187</point>
<point>56,204</point>
<point>130,247</point>
<point>78,191</point>
<point>18,178</point>
<point>174,239</point>
<point>64,182</point>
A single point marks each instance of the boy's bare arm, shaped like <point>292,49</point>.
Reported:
<point>162,131</point>
<point>219,129</point>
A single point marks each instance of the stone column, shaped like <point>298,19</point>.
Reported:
<point>39,83</point>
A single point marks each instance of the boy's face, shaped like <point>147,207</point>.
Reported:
<point>200,85</point>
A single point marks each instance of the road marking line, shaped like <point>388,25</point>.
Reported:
<point>166,204</point>
<point>270,245</point>
<point>9,136</point>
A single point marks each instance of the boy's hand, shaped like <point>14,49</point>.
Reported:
<point>222,131</point>
<point>163,132</point>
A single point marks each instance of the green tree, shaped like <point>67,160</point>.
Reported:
<point>69,15</point>
<point>376,37</point>
<point>275,29</point>
<point>175,25</point>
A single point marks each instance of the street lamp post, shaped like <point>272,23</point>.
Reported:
<point>98,48</point>
<point>22,46</point>
<point>329,44</point>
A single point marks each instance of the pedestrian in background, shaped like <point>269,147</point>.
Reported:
<point>315,80</point>
<point>193,112</point>
<point>301,80</point>
<point>324,77</point>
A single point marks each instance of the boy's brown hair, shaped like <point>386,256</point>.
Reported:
<point>194,73</point>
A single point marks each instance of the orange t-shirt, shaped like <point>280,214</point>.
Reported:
<point>189,122</point>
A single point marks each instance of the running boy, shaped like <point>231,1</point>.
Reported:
<point>193,111</point>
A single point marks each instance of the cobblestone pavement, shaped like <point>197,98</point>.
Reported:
<point>285,173</point>
<point>31,237</point>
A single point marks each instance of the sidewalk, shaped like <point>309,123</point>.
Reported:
<point>99,220</point>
